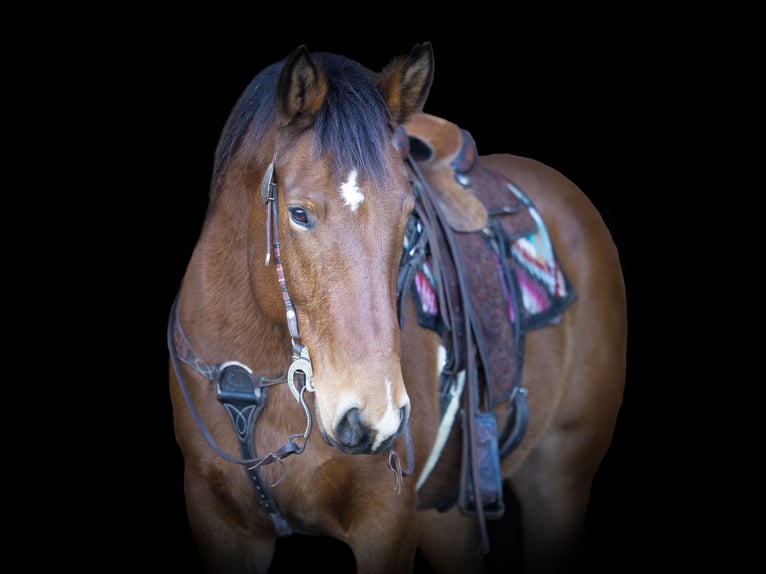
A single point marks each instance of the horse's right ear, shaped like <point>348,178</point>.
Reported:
<point>406,82</point>
<point>301,89</point>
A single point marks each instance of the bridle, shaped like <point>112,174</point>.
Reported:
<point>242,392</point>
<point>232,376</point>
<point>300,365</point>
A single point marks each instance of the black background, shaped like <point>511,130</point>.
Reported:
<point>582,100</point>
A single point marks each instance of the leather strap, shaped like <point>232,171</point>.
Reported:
<point>243,402</point>
<point>243,396</point>
<point>461,345</point>
<point>475,287</point>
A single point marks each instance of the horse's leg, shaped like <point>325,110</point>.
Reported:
<point>449,541</point>
<point>385,554</point>
<point>382,530</point>
<point>223,536</point>
<point>553,483</point>
<point>553,490</point>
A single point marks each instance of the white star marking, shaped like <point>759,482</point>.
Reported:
<point>350,192</point>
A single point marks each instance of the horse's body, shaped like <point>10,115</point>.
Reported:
<point>322,128</point>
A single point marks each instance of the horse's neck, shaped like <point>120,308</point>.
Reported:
<point>220,315</point>
<point>220,322</point>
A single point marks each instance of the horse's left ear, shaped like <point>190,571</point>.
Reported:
<point>301,89</point>
<point>406,81</point>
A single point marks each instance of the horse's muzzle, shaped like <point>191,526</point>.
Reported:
<point>353,436</point>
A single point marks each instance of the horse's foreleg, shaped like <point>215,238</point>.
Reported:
<point>380,552</point>
<point>449,541</point>
<point>225,541</point>
<point>383,534</point>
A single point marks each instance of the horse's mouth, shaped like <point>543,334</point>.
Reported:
<point>366,446</point>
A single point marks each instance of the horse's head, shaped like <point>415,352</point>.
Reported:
<point>342,198</point>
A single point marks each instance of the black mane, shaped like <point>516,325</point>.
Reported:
<point>352,126</point>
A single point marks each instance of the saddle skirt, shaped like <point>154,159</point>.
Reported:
<point>479,264</point>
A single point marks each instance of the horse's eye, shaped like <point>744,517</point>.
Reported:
<point>299,216</point>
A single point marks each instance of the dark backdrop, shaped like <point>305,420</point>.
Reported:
<point>570,99</point>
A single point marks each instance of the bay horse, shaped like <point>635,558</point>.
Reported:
<point>321,293</point>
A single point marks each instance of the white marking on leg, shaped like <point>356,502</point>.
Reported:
<point>350,192</point>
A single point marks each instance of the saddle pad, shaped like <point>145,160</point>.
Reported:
<point>544,291</point>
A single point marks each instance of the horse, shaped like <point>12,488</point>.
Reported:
<point>321,293</point>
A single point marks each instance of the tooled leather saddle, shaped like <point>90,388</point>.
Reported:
<point>480,267</point>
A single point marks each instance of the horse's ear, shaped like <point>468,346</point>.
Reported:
<point>406,81</point>
<point>301,89</point>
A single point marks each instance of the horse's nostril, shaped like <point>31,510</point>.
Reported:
<point>350,430</point>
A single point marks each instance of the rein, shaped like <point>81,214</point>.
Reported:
<point>243,395</point>
<point>232,380</point>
